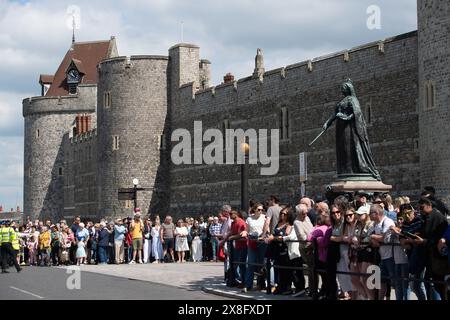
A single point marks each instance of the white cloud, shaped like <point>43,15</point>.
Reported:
<point>34,38</point>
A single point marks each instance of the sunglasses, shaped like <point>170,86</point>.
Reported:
<point>334,212</point>
<point>259,209</point>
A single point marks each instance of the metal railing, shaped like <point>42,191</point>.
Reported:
<point>314,271</point>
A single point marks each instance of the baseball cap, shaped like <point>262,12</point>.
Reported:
<point>363,210</point>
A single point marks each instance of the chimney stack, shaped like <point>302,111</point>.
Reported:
<point>228,78</point>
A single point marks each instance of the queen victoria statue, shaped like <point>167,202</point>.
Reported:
<point>353,156</point>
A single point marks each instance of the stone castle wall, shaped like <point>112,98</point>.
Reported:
<point>80,175</point>
<point>434,70</point>
<point>385,77</point>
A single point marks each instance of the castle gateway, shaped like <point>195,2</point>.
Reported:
<point>103,120</point>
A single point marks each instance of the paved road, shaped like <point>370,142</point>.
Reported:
<point>51,283</point>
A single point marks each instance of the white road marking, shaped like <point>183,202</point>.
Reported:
<point>27,292</point>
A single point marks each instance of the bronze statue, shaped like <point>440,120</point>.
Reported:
<point>353,155</point>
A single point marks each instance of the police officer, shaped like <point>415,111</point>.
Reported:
<point>8,236</point>
<point>2,224</point>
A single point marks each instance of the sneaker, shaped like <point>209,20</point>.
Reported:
<point>18,270</point>
<point>244,290</point>
<point>132,262</point>
<point>140,261</point>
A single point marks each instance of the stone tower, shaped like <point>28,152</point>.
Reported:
<point>131,129</point>
<point>434,94</point>
<point>47,120</point>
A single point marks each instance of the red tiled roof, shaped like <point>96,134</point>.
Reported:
<point>85,55</point>
<point>46,78</point>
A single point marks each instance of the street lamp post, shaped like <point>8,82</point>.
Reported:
<point>135,183</point>
<point>244,178</point>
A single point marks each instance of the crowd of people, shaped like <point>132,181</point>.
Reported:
<point>336,241</point>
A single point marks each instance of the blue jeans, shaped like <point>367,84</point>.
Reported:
<point>402,290</point>
<point>418,287</point>
<point>215,247</point>
<point>254,256</point>
<point>102,254</point>
<point>239,255</point>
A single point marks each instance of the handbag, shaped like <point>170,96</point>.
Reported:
<point>221,255</point>
<point>439,264</point>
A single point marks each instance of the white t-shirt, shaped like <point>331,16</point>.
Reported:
<point>384,228</point>
<point>256,225</point>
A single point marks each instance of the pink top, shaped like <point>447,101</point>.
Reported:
<point>322,234</point>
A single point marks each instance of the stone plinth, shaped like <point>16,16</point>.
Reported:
<point>352,183</point>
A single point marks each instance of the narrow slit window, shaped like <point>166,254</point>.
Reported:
<point>115,142</point>
<point>284,121</point>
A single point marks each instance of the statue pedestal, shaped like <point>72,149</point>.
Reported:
<point>353,183</point>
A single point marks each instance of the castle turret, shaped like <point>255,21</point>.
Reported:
<point>184,68</point>
<point>131,132</point>
<point>48,119</point>
<point>434,94</point>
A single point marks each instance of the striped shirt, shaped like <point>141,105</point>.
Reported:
<point>214,229</point>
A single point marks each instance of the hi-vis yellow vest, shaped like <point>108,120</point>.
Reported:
<point>5,234</point>
<point>15,240</point>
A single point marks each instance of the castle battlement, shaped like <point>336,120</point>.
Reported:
<point>82,102</point>
<point>126,60</point>
<point>374,57</point>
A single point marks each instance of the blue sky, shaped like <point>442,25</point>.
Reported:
<point>34,38</point>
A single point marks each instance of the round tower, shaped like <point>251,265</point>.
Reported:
<point>47,121</point>
<point>131,132</point>
<point>434,94</point>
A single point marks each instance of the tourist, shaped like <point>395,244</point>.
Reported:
<point>157,248</point>
<point>81,252</point>
<point>320,237</point>
<point>256,247</point>
<point>136,228</point>
<point>44,246</point>
<point>381,234</point>
<point>214,230</point>
<point>119,238</point>
<point>344,280</point>
<point>102,243</point>
<point>181,243</point>
<point>147,248</point>
<point>312,214</point>
<point>434,226</point>
<point>167,238</point>
<point>430,193</point>
<point>90,245</point>
<point>303,227</point>
<point>55,245</point>
<point>32,246</point>
<point>196,245</point>
<point>279,252</point>
<point>239,251</point>
<point>333,254</point>
<point>401,262</point>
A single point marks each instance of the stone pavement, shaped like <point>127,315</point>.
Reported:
<point>206,276</point>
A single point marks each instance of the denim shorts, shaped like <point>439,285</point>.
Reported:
<point>168,243</point>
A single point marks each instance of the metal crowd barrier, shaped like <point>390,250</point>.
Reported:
<point>314,272</point>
